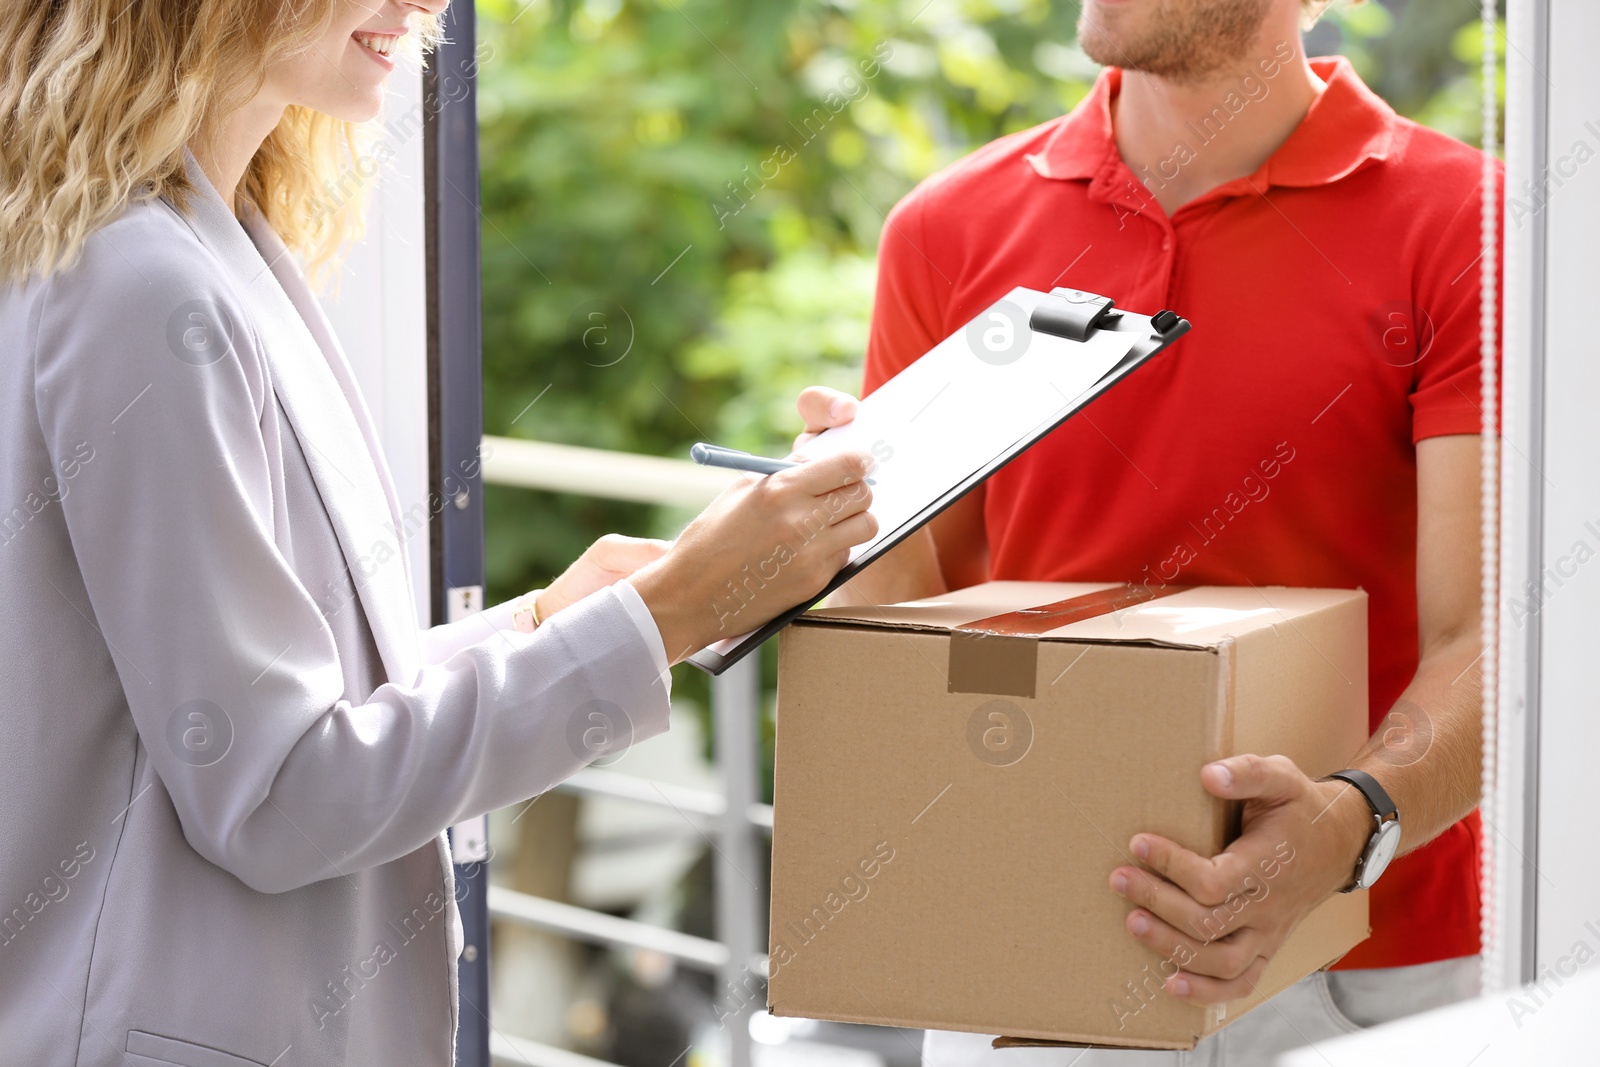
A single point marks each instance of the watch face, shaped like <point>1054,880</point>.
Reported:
<point>1380,851</point>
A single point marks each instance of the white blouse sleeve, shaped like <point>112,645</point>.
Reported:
<point>443,641</point>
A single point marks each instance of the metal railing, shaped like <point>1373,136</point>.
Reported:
<point>601,473</point>
<point>734,821</point>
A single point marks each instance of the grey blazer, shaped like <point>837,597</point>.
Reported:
<point>227,752</point>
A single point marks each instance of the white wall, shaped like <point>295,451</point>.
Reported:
<point>1568,858</point>
<point>1543,830</point>
<point>381,311</point>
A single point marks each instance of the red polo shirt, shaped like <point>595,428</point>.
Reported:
<point>1334,295</point>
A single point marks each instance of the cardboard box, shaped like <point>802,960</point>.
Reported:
<point>951,798</point>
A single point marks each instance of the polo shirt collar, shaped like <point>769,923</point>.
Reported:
<point>1346,125</point>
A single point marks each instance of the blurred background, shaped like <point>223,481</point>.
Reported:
<point>681,206</point>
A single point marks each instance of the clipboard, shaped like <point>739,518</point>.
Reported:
<point>1043,357</point>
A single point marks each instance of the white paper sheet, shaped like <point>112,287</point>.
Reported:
<point>966,402</point>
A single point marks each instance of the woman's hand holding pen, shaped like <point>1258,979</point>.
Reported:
<point>765,544</point>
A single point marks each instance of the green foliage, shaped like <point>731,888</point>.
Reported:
<point>682,199</point>
<point>1423,57</point>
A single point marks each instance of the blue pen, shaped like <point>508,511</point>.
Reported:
<point>708,455</point>
<point>717,456</point>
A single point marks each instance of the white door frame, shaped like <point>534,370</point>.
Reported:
<point>1548,865</point>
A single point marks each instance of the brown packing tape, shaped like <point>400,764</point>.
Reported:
<point>993,664</point>
<point>1047,617</point>
<point>999,655</point>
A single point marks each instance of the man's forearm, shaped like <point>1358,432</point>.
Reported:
<point>1428,751</point>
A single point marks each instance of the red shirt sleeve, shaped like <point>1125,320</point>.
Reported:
<point>1448,395</point>
<point>907,316</point>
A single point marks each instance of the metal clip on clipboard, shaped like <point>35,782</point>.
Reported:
<point>1057,323</point>
<point>1075,314</point>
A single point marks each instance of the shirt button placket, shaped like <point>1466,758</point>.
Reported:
<point>1168,260</point>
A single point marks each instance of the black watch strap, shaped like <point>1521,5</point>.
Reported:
<point>1376,796</point>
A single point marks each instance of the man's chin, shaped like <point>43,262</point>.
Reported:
<point>1113,34</point>
<point>1104,48</point>
<point>1130,52</point>
<point>1186,44</point>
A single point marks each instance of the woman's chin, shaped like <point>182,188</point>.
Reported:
<point>363,108</point>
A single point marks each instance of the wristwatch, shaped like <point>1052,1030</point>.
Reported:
<point>1385,839</point>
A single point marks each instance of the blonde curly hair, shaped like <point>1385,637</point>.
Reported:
<point>100,97</point>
